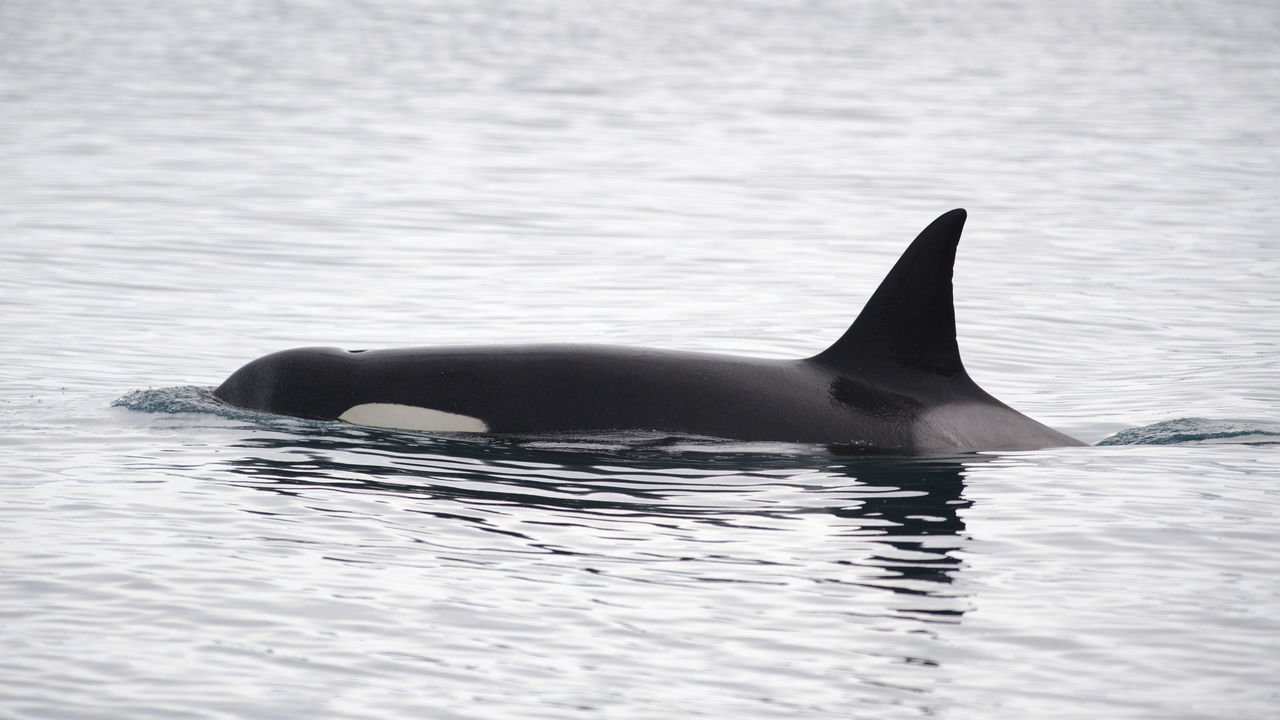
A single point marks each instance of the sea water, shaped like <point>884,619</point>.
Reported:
<point>185,186</point>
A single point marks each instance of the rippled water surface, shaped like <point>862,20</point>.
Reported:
<point>186,185</point>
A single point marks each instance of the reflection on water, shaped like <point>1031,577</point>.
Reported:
<point>904,513</point>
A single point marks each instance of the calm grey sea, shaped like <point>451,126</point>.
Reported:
<point>186,185</point>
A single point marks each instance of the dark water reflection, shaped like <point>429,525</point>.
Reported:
<point>893,523</point>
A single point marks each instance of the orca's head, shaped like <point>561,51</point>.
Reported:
<point>312,382</point>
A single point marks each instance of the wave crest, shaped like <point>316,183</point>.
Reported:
<point>1189,431</point>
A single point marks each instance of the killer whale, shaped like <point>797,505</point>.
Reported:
<point>893,382</point>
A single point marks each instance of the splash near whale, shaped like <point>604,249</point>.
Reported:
<point>893,382</point>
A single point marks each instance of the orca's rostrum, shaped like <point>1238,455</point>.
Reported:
<point>894,381</point>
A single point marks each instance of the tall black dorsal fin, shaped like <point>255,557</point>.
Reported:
<point>910,320</point>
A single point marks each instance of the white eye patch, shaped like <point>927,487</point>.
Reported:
<point>411,417</point>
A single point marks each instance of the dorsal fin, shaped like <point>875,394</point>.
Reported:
<point>910,320</point>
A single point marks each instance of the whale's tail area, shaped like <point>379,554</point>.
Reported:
<point>910,320</point>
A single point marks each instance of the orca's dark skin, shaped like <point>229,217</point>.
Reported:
<point>893,382</point>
